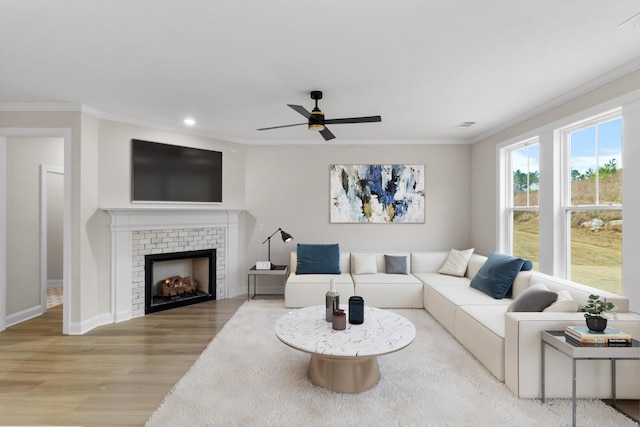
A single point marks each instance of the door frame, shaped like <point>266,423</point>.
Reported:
<point>45,170</point>
<point>65,134</point>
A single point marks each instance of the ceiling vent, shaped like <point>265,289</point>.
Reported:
<point>465,125</point>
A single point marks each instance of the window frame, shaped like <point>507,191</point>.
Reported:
<point>509,208</point>
<point>567,208</point>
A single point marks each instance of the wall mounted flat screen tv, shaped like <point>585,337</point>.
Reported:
<point>175,174</point>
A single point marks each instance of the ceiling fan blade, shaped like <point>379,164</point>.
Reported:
<point>283,126</point>
<point>367,119</point>
<point>300,109</point>
<point>326,134</point>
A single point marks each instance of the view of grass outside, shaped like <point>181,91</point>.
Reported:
<point>596,180</point>
<point>596,244</point>
<point>526,236</point>
<point>594,206</point>
<point>596,249</point>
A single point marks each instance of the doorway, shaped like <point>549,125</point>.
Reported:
<point>51,235</point>
<point>16,314</point>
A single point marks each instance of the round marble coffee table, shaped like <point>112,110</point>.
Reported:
<point>345,361</point>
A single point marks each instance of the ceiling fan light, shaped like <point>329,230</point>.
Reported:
<point>316,120</point>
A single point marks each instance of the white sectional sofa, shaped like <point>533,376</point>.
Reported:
<point>304,290</point>
<point>507,343</point>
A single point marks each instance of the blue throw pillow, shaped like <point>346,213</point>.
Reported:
<point>496,275</point>
<point>318,259</point>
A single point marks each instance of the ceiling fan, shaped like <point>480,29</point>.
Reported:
<point>317,122</point>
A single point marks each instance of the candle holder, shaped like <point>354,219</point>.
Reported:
<point>339,320</point>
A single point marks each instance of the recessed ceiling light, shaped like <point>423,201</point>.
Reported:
<point>465,125</point>
<point>189,122</point>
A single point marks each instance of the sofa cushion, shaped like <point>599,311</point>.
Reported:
<point>318,259</point>
<point>465,295</point>
<point>386,279</point>
<point>364,264</point>
<point>394,295</point>
<point>536,298</point>
<point>564,304</point>
<point>489,316</point>
<point>395,264</point>
<point>437,279</point>
<point>427,262</point>
<point>496,276</point>
<point>456,263</point>
<point>324,279</point>
<point>475,263</point>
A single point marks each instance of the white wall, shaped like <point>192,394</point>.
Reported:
<point>24,157</point>
<point>115,165</point>
<point>631,200</point>
<point>484,185</point>
<point>288,187</point>
<point>114,176</point>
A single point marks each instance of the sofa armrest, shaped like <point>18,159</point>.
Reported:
<point>523,359</point>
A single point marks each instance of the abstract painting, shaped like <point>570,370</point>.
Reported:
<point>377,194</point>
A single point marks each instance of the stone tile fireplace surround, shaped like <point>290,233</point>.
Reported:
<point>139,232</point>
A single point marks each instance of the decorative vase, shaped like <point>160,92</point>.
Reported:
<point>332,300</point>
<point>596,324</point>
<point>356,310</point>
<point>339,320</point>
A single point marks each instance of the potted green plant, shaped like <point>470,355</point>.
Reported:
<point>595,312</point>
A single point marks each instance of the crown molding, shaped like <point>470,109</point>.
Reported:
<point>94,112</point>
<point>603,80</point>
<point>50,107</point>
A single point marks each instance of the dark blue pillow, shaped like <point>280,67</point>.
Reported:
<point>496,275</point>
<point>527,266</point>
<point>318,259</point>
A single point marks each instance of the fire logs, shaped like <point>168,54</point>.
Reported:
<point>177,285</point>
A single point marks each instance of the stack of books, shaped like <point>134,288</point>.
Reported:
<point>610,337</point>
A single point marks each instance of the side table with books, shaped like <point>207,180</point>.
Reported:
<point>578,346</point>
<point>610,337</point>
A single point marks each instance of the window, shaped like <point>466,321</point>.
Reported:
<point>522,201</point>
<point>592,201</point>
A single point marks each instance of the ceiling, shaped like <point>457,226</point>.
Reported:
<point>425,66</point>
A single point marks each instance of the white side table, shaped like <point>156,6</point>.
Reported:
<point>276,270</point>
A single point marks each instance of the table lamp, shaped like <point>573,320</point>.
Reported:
<point>286,237</point>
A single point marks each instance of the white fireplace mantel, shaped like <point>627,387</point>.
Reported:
<point>124,222</point>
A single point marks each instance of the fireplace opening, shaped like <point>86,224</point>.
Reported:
<point>179,278</point>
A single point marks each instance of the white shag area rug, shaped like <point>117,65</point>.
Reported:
<point>247,377</point>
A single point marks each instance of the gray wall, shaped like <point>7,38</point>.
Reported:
<point>288,187</point>
<point>24,157</point>
<point>115,165</point>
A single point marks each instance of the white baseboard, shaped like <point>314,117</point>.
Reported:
<point>80,328</point>
<point>21,316</point>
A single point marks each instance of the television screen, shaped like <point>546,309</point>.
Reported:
<point>170,173</point>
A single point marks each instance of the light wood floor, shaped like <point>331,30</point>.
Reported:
<point>115,375</point>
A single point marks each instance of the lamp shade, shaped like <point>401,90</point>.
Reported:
<point>286,237</point>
